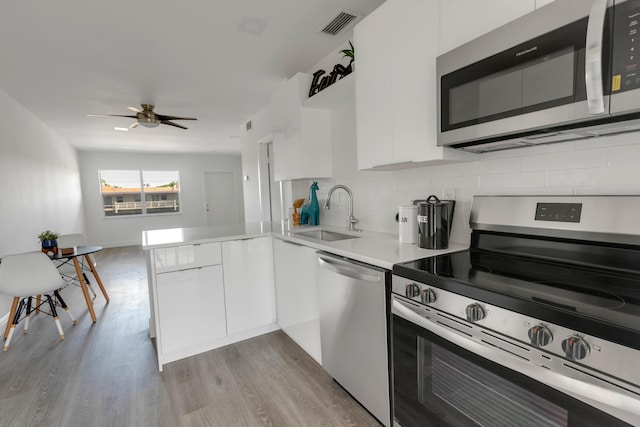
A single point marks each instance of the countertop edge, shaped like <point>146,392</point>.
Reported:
<point>369,243</point>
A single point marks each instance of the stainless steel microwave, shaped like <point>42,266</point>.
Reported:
<point>569,70</point>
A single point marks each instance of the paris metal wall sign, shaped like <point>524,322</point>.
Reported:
<point>322,80</point>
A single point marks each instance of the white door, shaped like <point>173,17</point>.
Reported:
<point>220,198</point>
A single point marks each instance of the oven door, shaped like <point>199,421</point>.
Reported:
<point>441,380</point>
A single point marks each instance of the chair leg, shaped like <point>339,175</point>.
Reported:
<point>64,306</point>
<point>28,314</point>
<point>12,329</point>
<point>54,313</point>
<point>86,280</point>
<point>12,312</point>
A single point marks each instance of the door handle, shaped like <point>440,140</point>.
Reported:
<point>593,57</point>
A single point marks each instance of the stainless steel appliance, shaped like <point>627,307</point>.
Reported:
<point>568,70</point>
<point>536,324</point>
<point>353,308</point>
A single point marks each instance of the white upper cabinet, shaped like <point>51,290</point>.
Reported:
<point>396,47</point>
<point>301,135</point>
<point>465,20</point>
<point>540,3</point>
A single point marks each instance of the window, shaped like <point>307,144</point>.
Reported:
<point>124,190</point>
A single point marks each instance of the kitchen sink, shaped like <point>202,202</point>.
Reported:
<point>326,235</point>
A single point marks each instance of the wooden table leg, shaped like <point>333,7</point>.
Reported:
<point>12,314</point>
<point>85,291</point>
<point>95,274</point>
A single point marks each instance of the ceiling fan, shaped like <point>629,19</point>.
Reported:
<point>147,117</point>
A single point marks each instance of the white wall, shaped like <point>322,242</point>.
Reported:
<point>260,132</point>
<point>40,182</point>
<point>110,232</point>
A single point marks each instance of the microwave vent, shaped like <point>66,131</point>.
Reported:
<point>338,23</point>
<point>604,131</point>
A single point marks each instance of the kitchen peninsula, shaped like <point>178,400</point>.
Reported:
<point>212,286</point>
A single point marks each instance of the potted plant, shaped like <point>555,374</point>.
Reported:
<point>49,241</point>
<point>349,53</point>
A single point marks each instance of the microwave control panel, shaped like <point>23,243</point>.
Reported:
<point>626,47</point>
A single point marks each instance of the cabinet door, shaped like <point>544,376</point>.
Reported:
<point>248,283</point>
<point>296,297</point>
<point>396,116</point>
<point>464,20</point>
<point>190,307</point>
<point>187,256</point>
<point>540,3</point>
<point>413,33</point>
<point>373,89</point>
<point>301,136</point>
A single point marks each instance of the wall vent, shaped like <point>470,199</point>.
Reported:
<point>249,125</point>
<point>337,24</point>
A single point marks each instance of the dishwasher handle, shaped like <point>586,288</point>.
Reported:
<point>346,268</point>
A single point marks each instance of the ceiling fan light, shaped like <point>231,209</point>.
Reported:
<point>148,124</point>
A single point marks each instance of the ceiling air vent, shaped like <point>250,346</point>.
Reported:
<point>341,21</point>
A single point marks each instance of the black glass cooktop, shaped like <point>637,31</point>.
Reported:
<point>577,296</point>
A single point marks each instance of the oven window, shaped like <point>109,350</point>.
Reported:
<point>437,383</point>
<point>482,396</point>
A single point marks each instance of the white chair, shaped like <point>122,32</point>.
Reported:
<point>66,267</point>
<point>23,276</point>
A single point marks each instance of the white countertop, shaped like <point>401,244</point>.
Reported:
<point>375,248</point>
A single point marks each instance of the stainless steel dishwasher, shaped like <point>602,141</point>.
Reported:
<point>353,308</point>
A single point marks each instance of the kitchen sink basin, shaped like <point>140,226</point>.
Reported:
<point>326,235</point>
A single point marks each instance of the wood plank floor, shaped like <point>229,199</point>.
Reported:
<point>106,374</point>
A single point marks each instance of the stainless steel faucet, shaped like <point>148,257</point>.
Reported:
<point>327,205</point>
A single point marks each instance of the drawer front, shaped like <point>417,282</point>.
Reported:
<point>187,256</point>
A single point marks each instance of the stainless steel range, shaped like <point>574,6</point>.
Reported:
<point>537,324</point>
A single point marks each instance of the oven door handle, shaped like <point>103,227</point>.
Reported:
<point>608,400</point>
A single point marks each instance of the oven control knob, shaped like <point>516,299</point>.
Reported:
<point>428,296</point>
<point>475,312</point>
<point>540,336</point>
<point>575,348</point>
<point>411,290</point>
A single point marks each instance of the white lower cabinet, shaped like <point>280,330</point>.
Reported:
<point>296,297</point>
<point>192,307</point>
<point>248,280</point>
<point>210,295</point>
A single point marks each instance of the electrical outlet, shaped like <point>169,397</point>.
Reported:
<point>448,194</point>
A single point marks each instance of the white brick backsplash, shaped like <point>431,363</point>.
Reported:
<point>609,165</point>
<point>535,191</point>
<point>491,166</point>
<point>566,160</point>
<point>624,155</point>
<point>512,180</point>
<point>594,177</point>
<point>454,182</point>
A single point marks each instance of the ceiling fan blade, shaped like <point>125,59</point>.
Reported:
<point>134,125</point>
<point>111,115</point>
<point>167,122</point>
<point>134,109</point>
<point>163,117</point>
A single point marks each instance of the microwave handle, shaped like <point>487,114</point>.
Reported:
<point>593,57</point>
